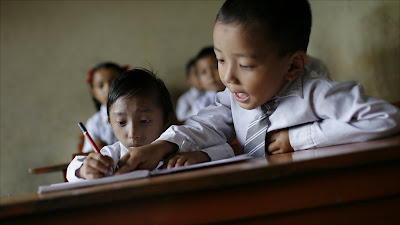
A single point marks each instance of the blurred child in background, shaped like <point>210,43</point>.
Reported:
<point>99,79</point>
<point>184,106</point>
<point>207,72</point>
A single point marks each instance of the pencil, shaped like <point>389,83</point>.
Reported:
<point>84,131</point>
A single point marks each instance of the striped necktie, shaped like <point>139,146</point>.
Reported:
<point>255,138</point>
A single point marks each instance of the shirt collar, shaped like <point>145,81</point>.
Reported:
<point>292,88</point>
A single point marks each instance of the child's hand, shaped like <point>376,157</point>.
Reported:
<point>145,157</point>
<point>95,166</point>
<point>278,142</point>
<point>185,159</point>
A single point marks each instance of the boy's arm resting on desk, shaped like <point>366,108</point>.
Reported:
<point>218,152</point>
<point>146,157</point>
<point>346,115</point>
<point>209,131</point>
<point>212,153</point>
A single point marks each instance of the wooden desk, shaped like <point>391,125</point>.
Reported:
<point>347,184</point>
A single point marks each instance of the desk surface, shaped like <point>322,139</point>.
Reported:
<point>323,184</point>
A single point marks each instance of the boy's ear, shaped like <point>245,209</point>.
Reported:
<point>108,119</point>
<point>297,62</point>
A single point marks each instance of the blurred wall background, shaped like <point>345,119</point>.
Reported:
<point>48,46</point>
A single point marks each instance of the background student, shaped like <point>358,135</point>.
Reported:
<point>184,106</point>
<point>272,104</point>
<point>207,71</point>
<point>99,79</point>
<point>139,109</point>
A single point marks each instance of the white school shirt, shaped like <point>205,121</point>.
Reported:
<point>184,105</point>
<point>115,151</point>
<point>318,113</point>
<point>98,127</point>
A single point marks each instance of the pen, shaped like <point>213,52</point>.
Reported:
<point>84,131</point>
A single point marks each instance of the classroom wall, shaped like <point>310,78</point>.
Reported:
<point>48,46</point>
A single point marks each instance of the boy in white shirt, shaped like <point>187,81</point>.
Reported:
<point>261,50</point>
<point>207,72</point>
<point>139,109</point>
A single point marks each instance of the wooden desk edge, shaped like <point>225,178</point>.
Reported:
<point>198,180</point>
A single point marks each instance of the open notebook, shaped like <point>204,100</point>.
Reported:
<point>134,175</point>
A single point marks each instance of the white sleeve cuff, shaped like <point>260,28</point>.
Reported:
<point>300,137</point>
<point>75,164</point>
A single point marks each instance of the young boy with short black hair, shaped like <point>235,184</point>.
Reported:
<point>272,103</point>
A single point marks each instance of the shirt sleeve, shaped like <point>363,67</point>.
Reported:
<point>346,115</point>
<point>210,130</point>
<point>75,164</point>
<point>218,152</point>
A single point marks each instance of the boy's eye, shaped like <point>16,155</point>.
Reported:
<point>100,86</point>
<point>246,67</point>
<point>121,123</point>
<point>220,61</point>
<point>145,121</point>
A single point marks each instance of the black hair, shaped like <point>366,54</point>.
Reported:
<point>189,65</point>
<point>107,65</point>
<point>139,81</point>
<point>206,51</point>
<point>285,22</point>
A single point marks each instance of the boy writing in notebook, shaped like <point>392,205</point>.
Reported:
<point>139,109</point>
<point>272,103</point>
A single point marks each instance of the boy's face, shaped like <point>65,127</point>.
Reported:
<point>136,121</point>
<point>207,71</point>
<point>248,65</point>
<point>102,80</point>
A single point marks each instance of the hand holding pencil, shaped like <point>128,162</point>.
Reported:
<point>95,165</point>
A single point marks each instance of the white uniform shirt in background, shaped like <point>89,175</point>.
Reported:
<point>184,105</point>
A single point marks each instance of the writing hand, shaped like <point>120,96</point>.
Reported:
<point>95,166</point>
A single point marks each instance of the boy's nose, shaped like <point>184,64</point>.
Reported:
<point>132,133</point>
<point>229,75</point>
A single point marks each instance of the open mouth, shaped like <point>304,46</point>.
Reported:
<point>134,146</point>
<point>241,97</point>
